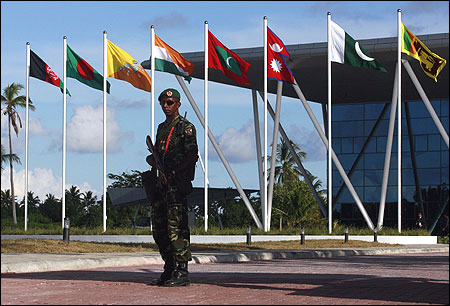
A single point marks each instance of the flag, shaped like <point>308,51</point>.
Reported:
<point>169,60</point>
<point>430,62</point>
<point>40,70</point>
<point>79,69</point>
<point>124,67</point>
<point>221,58</point>
<point>276,52</point>
<point>345,50</point>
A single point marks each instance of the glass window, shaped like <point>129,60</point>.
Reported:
<point>347,145</point>
<point>371,146</point>
<point>444,176</point>
<point>428,160</point>
<point>357,178</point>
<point>434,142</point>
<point>421,143</point>
<point>408,193</point>
<point>419,110</point>
<point>368,126</point>
<point>347,112</point>
<point>444,107</point>
<point>373,177</point>
<point>405,143</point>
<point>382,128</point>
<point>444,158</point>
<point>358,143</point>
<point>374,161</point>
<point>407,177</point>
<point>381,144</point>
<point>391,194</point>
<point>429,176</point>
<point>336,143</point>
<point>372,194</point>
<point>373,111</point>
<point>347,128</point>
<point>422,126</point>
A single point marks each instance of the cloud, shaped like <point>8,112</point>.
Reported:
<point>172,20</point>
<point>237,145</point>
<point>41,182</point>
<point>309,142</point>
<point>85,131</point>
<point>128,104</point>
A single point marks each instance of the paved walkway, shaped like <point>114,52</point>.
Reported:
<point>401,277</point>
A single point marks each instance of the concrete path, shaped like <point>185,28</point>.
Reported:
<point>391,278</point>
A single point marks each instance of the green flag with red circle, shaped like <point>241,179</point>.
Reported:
<point>79,69</point>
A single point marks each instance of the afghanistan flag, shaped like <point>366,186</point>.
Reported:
<point>169,60</point>
<point>221,58</point>
<point>79,69</point>
<point>430,62</point>
<point>40,70</point>
<point>346,50</point>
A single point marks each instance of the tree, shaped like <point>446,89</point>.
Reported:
<point>11,100</point>
<point>8,157</point>
<point>285,166</point>
<point>51,208</point>
<point>74,209</point>
<point>94,210</point>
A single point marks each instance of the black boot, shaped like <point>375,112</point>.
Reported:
<point>169,268</point>
<point>180,277</point>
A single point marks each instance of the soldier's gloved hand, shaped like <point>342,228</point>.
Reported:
<point>150,160</point>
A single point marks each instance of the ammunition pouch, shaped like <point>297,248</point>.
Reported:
<point>183,182</point>
<point>149,181</point>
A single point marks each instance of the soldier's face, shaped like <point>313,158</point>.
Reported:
<point>170,105</point>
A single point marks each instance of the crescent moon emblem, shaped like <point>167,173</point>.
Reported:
<point>361,54</point>
<point>275,47</point>
<point>228,61</point>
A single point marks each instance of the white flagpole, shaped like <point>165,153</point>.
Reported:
<point>399,121</point>
<point>26,136</point>
<point>206,125</point>
<point>64,132</point>
<point>152,61</point>
<point>264,201</point>
<point>105,65</point>
<point>330,169</point>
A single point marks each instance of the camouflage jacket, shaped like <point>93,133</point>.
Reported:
<point>177,145</point>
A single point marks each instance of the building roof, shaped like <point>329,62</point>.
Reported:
<point>308,62</point>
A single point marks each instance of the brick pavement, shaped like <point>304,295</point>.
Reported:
<point>401,279</point>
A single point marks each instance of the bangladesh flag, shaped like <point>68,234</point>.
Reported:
<point>79,69</point>
<point>430,62</point>
<point>221,58</point>
<point>40,70</point>
<point>346,50</point>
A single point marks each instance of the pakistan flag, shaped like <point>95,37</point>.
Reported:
<point>346,50</point>
<point>79,69</point>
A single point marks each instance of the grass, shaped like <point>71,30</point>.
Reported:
<point>59,246</point>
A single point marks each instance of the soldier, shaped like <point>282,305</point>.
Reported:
<point>176,145</point>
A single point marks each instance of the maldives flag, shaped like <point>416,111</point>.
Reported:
<point>221,58</point>
<point>276,52</point>
<point>40,70</point>
<point>79,69</point>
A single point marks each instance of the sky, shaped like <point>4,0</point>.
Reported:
<point>237,24</point>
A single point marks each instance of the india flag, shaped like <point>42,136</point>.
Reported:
<point>169,60</point>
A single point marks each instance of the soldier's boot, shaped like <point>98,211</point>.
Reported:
<point>180,277</point>
<point>169,268</point>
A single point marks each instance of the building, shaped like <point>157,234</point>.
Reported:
<point>360,117</point>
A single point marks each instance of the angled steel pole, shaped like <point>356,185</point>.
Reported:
<point>274,151</point>
<point>298,161</point>
<point>426,101</point>
<point>335,159</point>
<point>258,146</point>
<point>387,156</point>
<point>219,152</point>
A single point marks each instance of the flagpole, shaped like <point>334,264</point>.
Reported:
<point>330,187</point>
<point>64,132</point>
<point>399,122</point>
<point>105,63</point>
<point>152,61</point>
<point>264,202</point>
<point>26,136</point>
<point>206,126</point>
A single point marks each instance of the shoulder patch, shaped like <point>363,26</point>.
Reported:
<point>188,131</point>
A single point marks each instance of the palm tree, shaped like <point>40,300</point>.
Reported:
<point>11,100</point>
<point>286,168</point>
<point>7,157</point>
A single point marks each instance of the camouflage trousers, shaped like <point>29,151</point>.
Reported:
<point>170,228</point>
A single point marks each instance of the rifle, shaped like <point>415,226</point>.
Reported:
<point>160,173</point>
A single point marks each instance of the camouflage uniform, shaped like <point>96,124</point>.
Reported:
<point>177,147</point>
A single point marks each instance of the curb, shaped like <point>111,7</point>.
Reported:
<point>24,263</point>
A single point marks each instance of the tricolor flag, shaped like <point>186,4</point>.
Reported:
<point>79,69</point>
<point>276,51</point>
<point>221,58</point>
<point>40,70</point>
<point>124,67</point>
<point>346,50</point>
<point>169,60</point>
<point>430,62</point>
